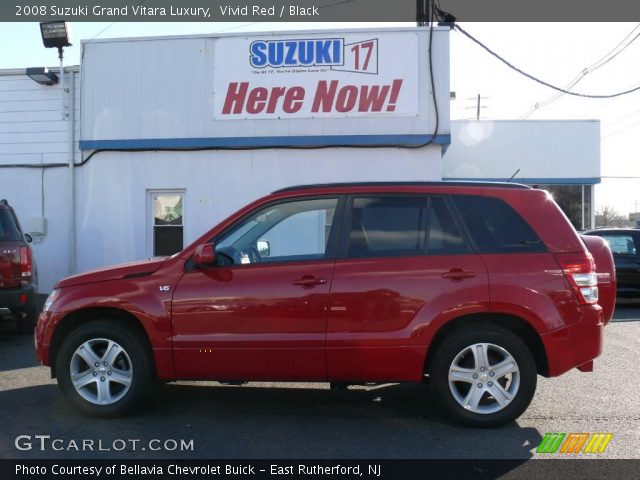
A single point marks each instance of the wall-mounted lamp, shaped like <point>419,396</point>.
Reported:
<point>42,75</point>
<point>55,34</point>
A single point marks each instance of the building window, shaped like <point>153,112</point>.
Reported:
<point>167,222</point>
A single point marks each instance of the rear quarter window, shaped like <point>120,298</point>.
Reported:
<point>495,227</point>
<point>8,229</point>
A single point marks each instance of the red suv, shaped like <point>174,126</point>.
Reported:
<point>477,288</point>
<point>17,272</point>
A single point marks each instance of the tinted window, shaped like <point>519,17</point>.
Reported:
<point>619,243</point>
<point>391,226</point>
<point>388,226</point>
<point>495,227</point>
<point>443,234</point>
<point>8,229</point>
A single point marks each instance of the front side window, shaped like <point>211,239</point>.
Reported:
<point>291,231</point>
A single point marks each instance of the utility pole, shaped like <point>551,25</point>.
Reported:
<point>478,99</point>
<point>422,13</point>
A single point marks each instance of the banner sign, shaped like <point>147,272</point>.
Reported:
<point>355,75</point>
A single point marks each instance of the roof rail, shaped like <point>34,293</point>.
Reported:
<point>405,184</point>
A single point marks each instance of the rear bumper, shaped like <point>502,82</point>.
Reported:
<point>16,300</point>
<point>576,344</point>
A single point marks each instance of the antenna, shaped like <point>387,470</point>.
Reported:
<point>514,174</point>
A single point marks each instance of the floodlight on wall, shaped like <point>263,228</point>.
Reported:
<point>42,75</point>
<point>57,35</point>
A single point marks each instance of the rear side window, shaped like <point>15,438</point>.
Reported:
<point>401,226</point>
<point>8,228</point>
<point>495,227</point>
<point>444,236</point>
<point>388,226</point>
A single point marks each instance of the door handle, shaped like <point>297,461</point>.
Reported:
<point>458,274</point>
<point>309,281</point>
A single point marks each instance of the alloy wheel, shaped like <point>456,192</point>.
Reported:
<point>101,371</point>
<point>484,378</point>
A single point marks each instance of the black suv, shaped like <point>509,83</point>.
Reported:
<point>625,246</point>
<point>17,271</point>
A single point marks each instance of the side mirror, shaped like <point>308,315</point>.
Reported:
<point>28,238</point>
<point>263,248</point>
<point>204,255</point>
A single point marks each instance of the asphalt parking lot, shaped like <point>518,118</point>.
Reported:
<point>310,421</point>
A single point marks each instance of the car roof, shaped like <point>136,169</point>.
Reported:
<point>403,185</point>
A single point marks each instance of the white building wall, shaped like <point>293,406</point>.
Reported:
<point>33,132</point>
<point>544,151</point>
<point>113,220</point>
<point>164,88</point>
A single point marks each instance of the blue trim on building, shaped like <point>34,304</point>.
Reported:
<point>536,181</point>
<point>258,142</point>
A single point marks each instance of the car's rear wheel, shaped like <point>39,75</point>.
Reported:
<point>483,375</point>
<point>103,368</point>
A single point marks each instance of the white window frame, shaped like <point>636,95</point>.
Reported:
<point>149,218</point>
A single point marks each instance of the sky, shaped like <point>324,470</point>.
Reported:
<point>554,52</point>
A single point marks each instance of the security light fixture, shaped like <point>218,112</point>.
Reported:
<point>42,75</point>
<point>55,34</point>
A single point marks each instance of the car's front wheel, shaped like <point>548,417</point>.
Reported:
<point>483,375</point>
<point>103,368</point>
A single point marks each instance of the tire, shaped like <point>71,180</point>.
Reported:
<point>104,390</point>
<point>492,397</point>
<point>27,322</point>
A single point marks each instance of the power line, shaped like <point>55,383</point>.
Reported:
<point>535,79</point>
<point>621,130</point>
<point>632,114</point>
<point>586,71</point>
<point>111,24</point>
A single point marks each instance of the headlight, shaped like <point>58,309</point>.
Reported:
<point>49,301</point>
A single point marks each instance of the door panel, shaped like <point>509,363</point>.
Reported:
<point>252,323</point>
<point>260,313</point>
<point>405,265</point>
<point>379,310</point>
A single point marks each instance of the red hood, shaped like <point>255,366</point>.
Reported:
<point>114,272</point>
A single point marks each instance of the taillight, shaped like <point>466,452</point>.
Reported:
<point>580,270</point>
<point>25,262</point>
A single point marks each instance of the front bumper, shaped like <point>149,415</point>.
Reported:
<point>576,344</point>
<point>16,300</point>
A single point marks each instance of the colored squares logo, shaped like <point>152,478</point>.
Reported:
<point>574,443</point>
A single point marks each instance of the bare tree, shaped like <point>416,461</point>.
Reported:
<point>607,216</point>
